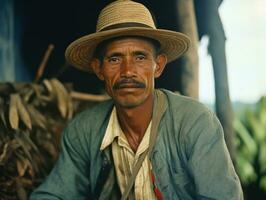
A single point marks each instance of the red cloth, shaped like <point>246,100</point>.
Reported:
<point>156,190</point>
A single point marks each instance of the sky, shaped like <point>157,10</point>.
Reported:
<point>245,27</point>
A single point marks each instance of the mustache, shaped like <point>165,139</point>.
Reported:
<point>120,84</point>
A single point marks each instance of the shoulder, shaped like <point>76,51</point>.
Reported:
<point>182,107</point>
<point>194,124</point>
<point>190,118</point>
<point>90,119</point>
<point>93,114</point>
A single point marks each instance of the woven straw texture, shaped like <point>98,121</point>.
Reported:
<point>79,53</point>
<point>123,12</point>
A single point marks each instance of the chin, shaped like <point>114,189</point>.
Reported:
<point>129,103</point>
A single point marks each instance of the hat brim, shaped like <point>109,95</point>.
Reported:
<point>80,52</point>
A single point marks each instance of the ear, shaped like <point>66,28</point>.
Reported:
<point>96,67</point>
<point>161,61</point>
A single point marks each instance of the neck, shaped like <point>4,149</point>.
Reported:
<point>135,121</point>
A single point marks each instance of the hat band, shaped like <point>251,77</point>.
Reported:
<point>125,25</point>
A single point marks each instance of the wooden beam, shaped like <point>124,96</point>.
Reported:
<point>189,62</point>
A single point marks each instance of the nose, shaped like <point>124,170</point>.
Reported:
<point>127,68</point>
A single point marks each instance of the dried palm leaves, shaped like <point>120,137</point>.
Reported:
<point>31,119</point>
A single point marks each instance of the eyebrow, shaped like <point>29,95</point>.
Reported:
<point>140,53</point>
<point>134,53</point>
<point>114,54</point>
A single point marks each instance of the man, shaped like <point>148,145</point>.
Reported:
<point>176,142</point>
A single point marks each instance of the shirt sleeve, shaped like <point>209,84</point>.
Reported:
<point>209,161</point>
<point>69,178</point>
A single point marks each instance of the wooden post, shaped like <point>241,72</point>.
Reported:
<point>189,62</point>
<point>223,105</point>
<point>209,23</point>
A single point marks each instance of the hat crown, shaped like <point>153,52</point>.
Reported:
<point>124,12</point>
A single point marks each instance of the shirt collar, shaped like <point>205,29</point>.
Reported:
<point>113,130</point>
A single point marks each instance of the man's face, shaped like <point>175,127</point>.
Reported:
<point>128,68</point>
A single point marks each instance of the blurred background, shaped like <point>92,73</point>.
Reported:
<point>225,69</point>
<point>244,22</point>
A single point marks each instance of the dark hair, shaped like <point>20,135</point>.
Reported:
<point>99,50</point>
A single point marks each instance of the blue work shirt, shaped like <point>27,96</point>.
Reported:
<point>190,159</point>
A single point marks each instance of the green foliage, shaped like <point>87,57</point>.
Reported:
<point>251,145</point>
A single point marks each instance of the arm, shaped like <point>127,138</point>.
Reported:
<point>209,161</point>
<point>70,177</point>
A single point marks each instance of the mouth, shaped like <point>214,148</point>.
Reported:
<point>128,88</point>
<point>128,85</point>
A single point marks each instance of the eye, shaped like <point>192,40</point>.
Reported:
<point>114,59</point>
<point>140,57</point>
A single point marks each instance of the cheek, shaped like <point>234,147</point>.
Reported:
<point>149,78</point>
<point>108,85</point>
<point>109,82</point>
<point>151,83</point>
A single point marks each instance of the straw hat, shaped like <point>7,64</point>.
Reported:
<point>125,18</point>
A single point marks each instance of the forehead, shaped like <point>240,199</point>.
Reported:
<point>135,41</point>
<point>129,42</point>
